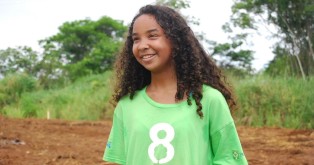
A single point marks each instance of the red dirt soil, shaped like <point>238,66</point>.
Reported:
<point>59,142</point>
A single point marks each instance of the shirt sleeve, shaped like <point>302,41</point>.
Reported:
<point>115,148</point>
<point>224,138</point>
<point>227,147</point>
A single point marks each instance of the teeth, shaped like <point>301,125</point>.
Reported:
<point>147,56</point>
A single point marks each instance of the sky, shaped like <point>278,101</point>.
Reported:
<point>25,22</point>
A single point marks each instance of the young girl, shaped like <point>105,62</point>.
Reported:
<point>172,103</point>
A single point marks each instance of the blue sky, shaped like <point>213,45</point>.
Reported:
<point>24,22</point>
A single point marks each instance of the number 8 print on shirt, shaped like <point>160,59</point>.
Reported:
<point>155,149</point>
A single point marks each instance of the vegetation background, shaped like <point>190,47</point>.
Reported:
<point>73,77</point>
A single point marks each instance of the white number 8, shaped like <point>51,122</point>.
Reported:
<point>153,133</point>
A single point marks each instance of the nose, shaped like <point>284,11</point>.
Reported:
<point>143,45</point>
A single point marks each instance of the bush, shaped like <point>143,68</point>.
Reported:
<point>13,86</point>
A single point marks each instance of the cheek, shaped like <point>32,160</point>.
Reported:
<point>134,50</point>
<point>135,53</point>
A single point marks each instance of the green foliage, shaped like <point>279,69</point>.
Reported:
<point>283,65</point>
<point>85,99</point>
<point>13,86</point>
<point>294,20</point>
<point>231,57</point>
<point>236,73</point>
<point>277,102</point>
<point>263,101</point>
<point>30,105</point>
<point>20,59</point>
<point>81,48</point>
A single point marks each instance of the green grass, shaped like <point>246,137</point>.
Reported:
<point>86,99</point>
<point>282,102</point>
<point>263,101</point>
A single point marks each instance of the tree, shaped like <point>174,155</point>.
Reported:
<point>294,20</point>
<point>21,59</point>
<point>282,64</point>
<point>232,57</point>
<point>82,47</point>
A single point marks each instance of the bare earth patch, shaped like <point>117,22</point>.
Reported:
<point>59,142</point>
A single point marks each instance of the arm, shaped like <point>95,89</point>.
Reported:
<point>115,148</point>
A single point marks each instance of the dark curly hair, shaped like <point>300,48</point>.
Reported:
<point>193,65</point>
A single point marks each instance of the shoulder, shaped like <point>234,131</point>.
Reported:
<point>215,108</point>
<point>126,100</point>
<point>212,94</point>
<point>125,104</point>
<point>213,97</point>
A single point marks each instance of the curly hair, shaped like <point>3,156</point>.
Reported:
<point>193,65</point>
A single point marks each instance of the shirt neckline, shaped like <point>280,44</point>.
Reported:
<point>161,105</point>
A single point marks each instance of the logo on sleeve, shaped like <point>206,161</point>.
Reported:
<point>108,145</point>
<point>237,155</point>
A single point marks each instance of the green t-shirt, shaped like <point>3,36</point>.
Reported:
<point>145,132</point>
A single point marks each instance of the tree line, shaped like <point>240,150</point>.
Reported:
<point>86,47</point>
<point>294,22</point>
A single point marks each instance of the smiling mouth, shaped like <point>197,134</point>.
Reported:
<point>147,57</point>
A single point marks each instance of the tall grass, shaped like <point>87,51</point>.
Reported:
<point>86,99</point>
<point>283,102</point>
<point>263,101</point>
<point>13,86</point>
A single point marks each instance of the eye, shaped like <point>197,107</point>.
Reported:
<point>153,36</point>
<point>135,39</point>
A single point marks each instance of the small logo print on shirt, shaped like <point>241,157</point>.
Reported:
<point>109,145</point>
<point>237,155</point>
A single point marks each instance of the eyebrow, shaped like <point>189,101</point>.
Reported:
<point>148,31</point>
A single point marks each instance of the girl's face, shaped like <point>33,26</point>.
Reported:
<point>151,47</point>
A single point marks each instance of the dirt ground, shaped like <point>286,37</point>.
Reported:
<point>58,142</point>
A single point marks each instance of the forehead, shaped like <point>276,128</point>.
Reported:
<point>144,23</point>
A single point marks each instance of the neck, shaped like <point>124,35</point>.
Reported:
<point>163,81</point>
<point>163,87</point>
